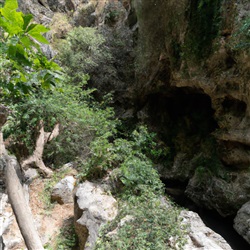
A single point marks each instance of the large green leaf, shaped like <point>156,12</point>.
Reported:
<point>26,20</point>
<point>12,51</point>
<point>11,4</point>
<point>20,57</point>
<point>40,38</point>
<point>26,42</point>
<point>37,28</point>
<point>14,18</point>
<point>35,32</point>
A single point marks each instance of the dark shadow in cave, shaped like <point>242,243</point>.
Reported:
<point>234,106</point>
<point>183,117</point>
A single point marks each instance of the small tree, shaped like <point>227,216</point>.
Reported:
<point>24,70</point>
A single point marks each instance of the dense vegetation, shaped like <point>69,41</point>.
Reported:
<point>39,94</point>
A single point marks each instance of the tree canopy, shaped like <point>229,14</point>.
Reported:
<point>23,66</point>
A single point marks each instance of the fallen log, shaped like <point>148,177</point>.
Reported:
<point>19,204</point>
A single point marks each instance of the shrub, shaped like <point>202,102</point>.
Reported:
<point>83,52</point>
<point>68,106</point>
<point>153,225</point>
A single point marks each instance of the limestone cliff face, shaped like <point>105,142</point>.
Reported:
<point>193,87</point>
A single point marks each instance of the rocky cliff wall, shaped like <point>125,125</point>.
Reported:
<point>193,87</point>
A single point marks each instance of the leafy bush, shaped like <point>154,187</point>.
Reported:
<point>24,68</point>
<point>83,51</point>
<point>153,225</point>
<point>68,106</point>
<point>133,156</point>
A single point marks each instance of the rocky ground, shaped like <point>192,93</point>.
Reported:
<point>49,220</point>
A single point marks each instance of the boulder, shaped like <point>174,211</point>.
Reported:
<point>63,190</point>
<point>9,237</point>
<point>242,222</point>
<point>199,235</point>
<point>212,192</point>
<point>93,208</point>
<point>30,174</point>
<point>39,9</point>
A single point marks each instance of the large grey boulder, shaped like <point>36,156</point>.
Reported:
<point>242,222</point>
<point>63,190</point>
<point>213,192</point>
<point>200,237</point>
<point>93,208</point>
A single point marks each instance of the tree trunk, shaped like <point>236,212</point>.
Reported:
<point>19,205</point>
<point>37,156</point>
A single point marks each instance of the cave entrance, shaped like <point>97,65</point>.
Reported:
<point>184,120</point>
<point>183,117</point>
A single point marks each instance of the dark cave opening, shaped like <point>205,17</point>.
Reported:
<point>182,117</point>
<point>184,120</point>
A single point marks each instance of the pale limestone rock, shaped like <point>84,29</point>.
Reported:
<point>93,208</point>
<point>30,174</point>
<point>10,238</point>
<point>63,190</point>
<point>200,237</point>
<point>242,222</point>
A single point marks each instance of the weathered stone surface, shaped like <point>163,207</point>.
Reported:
<point>93,207</point>
<point>30,174</point>
<point>201,237</point>
<point>215,193</point>
<point>39,9</point>
<point>168,82</point>
<point>242,221</point>
<point>10,239</point>
<point>63,190</point>
<point>61,5</point>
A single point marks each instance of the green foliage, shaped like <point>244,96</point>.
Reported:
<point>132,156</point>
<point>113,12</point>
<point>207,163</point>
<point>68,106</point>
<point>152,225</point>
<point>138,187</point>
<point>24,67</point>
<point>67,239</point>
<point>82,52</point>
<point>137,173</point>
